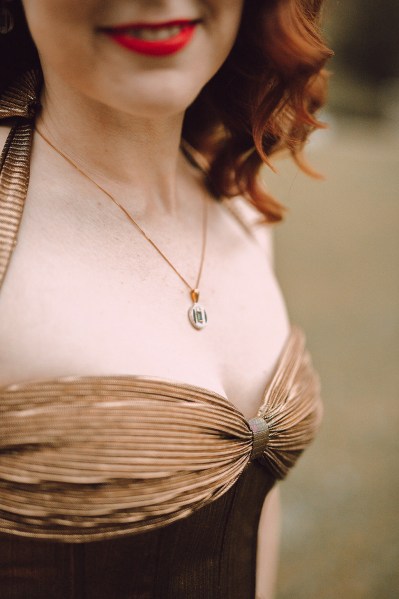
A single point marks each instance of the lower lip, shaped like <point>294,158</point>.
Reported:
<point>164,47</point>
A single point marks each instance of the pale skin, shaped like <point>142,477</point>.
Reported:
<point>85,293</point>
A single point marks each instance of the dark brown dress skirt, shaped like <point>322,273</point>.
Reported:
<point>208,555</point>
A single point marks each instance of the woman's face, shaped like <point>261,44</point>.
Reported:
<point>143,57</point>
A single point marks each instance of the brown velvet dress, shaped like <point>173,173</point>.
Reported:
<point>133,487</point>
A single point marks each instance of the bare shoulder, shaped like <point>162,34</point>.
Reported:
<point>250,219</point>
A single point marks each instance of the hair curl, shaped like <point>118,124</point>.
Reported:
<point>261,101</point>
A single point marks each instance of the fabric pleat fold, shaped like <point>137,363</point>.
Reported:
<point>88,458</point>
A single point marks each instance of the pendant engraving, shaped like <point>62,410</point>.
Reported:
<point>198,316</point>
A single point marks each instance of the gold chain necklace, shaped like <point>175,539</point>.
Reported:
<point>196,313</point>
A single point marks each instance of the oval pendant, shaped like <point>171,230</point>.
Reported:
<point>198,316</point>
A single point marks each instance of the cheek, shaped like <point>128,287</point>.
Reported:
<point>60,28</point>
<point>224,26</point>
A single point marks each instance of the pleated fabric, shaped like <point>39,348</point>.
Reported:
<point>87,460</point>
<point>14,169</point>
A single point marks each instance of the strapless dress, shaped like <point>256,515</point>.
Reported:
<point>133,487</point>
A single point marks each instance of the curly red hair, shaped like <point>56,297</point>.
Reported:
<point>262,100</point>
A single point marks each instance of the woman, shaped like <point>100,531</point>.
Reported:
<point>138,445</point>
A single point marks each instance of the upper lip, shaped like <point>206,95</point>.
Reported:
<point>151,25</point>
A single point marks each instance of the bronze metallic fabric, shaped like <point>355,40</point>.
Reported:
<point>132,486</point>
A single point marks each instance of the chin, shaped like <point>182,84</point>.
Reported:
<point>162,98</point>
<point>161,107</point>
<point>156,112</point>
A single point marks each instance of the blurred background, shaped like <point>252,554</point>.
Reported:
<point>337,259</point>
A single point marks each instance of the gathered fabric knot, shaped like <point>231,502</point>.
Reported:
<point>260,436</point>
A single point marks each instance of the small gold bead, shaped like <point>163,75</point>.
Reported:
<point>195,295</point>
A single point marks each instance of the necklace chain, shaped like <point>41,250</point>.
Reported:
<point>194,292</point>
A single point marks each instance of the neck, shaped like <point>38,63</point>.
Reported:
<point>119,150</point>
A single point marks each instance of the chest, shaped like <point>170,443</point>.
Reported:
<point>81,299</point>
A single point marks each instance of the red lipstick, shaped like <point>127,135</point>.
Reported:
<point>154,39</point>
